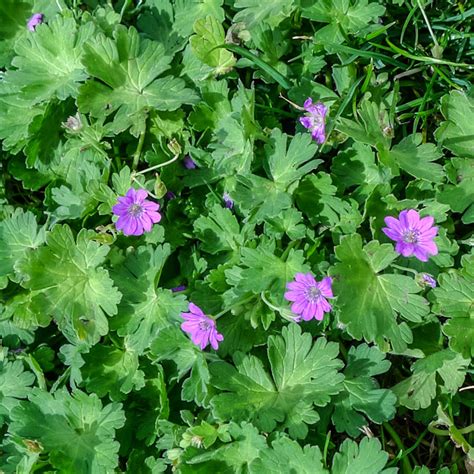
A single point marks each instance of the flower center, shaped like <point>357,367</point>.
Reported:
<point>135,210</point>
<point>204,325</point>
<point>313,293</point>
<point>410,237</point>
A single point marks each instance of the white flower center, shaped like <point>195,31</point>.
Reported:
<point>313,293</point>
<point>135,210</point>
<point>410,236</point>
<point>204,325</point>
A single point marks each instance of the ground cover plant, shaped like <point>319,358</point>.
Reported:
<point>236,236</point>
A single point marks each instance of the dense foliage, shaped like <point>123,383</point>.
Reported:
<point>145,332</point>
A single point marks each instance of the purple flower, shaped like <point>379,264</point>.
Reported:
<point>228,202</point>
<point>414,236</point>
<point>176,289</point>
<point>201,328</point>
<point>309,296</point>
<point>315,120</point>
<point>188,163</point>
<point>428,280</point>
<point>136,214</point>
<point>34,21</point>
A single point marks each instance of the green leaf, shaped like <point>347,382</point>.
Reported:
<point>69,283</point>
<point>145,309</point>
<point>48,62</point>
<point>457,133</point>
<point>260,270</point>
<point>112,371</point>
<point>375,126</point>
<point>369,302</point>
<point>259,198</point>
<point>355,166</point>
<point>219,231</point>
<point>16,115</point>
<point>316,197</point>
<point>460,194</point>
<point>455,300</point>
<point>126,80</point>
<point>253,12</point>
<point>366,457</point>
<point>420,389</point>
<point>417,158</point>
<point>172,344</point>
<point>239,453</point>
<point>289,222</point>
<point>288,453</point>
<point>302,374</point>
<point>19,234</point>
<point>15,384</point>
<point>75,430</point>
<point>352,17</point>
<point>13,15</point>
<point>362,395</point>
<point>286,166</point>
<point>187,12</point>
<point>209,35</point>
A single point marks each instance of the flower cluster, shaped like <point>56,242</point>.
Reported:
<point>201,328</point>
<point>35,20</point>
<point>414,236</point>
<point>315,119</point>
<point>136,214</point>
<point>309,298</point>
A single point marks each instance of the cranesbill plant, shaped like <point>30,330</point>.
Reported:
<point>236,237</point>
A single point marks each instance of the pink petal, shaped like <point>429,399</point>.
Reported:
<point>309,311</point>
<point>196,309</point>
<point>307,122</point>
<point>392,233</point>
<point>298,307</point>
<point>403,219</point>
<point>138,226</point>
<point>120,208</point>
<point>413,218</point>
<point>318,134</point>
<point>131,194</point>
<point>429,247</point>
<point>154,216</point>
<point>320,109</point>
<point>294,285</point>
<point>147,223</point>
<point>324,305</point>
<point>394,224</point>
<point>150,206</point>
<point>319,314</point>
<point>122,221</point>
<point>310,279</point>
<point>140,195</point>
<point>293,295</point>
<point>404,248</point>
<point>308,103</point>
<point>429,234</point>
<point>325,287</point>
<point>420,254</point>
<point>300,278</point>
<point>425,223</point>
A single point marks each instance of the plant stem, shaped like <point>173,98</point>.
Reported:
<point>435,41</point>
<point>239,303</point>
<point>405,269</point>
<point>151,168</point>
<point>406,466</point>
<point>138,151</point>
